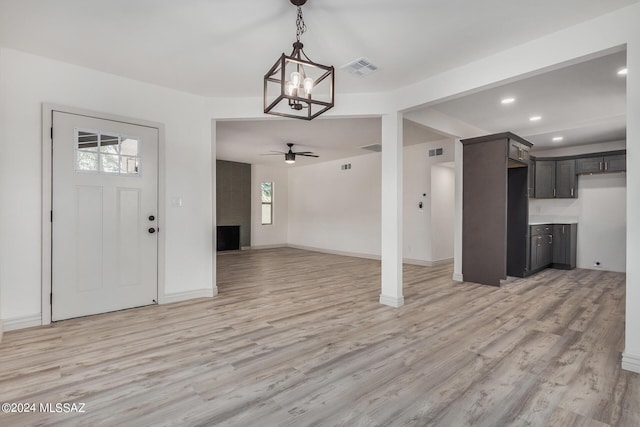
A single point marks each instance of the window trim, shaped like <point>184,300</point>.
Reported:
<point>263,203</point>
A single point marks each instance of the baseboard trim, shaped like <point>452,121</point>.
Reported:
<point>631,362</point>
<point>424,263</point>
<point>391,301</point>
<point>334,252</point>
<point>23,322</point>
<point>258,247</point>
<point>187,295</point>
<point>458,277</point>
<point>1,329</point>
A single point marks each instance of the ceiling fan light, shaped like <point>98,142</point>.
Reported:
<point>289,158</point>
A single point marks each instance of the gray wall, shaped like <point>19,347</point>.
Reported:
<point>233,197</point>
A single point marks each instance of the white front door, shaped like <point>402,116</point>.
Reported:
<point>104,219</point>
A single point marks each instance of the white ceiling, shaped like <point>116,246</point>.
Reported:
<point>224,47</point>
<point>584,103</point>
<point>331,139</point>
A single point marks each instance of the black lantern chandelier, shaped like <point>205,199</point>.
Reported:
<point>296,86</point>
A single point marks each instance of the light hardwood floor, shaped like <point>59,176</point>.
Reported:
<point>298,338</point>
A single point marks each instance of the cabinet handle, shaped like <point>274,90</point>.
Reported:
<point>554,192</point>
<point>600,166</point>
<point>572,192</point>
<point>563,229</point>
<point>551,239</point>
<point>606,166</point>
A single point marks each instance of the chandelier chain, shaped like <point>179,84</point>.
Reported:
<point>301,27</point>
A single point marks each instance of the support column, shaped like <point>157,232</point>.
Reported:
<point>457,232</point>
<point>631,355</point>
<point>391,293</point>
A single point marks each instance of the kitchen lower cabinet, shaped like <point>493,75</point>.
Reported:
<point>564,246</point>
<point>552,245</point>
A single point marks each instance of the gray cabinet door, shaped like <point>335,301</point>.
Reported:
<point>566,179</point>
<point>565,245</point>
<point>615,163</point>
<point>545,180</point>
<point>518,152</point>
<point>560,240</point>
<point>589,165</point>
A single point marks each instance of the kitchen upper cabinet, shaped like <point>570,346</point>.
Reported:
<point>565,179</point>
<point>602,164</point>
<point>518,152</point>
<point>545,179</point>
<point>555,179</point>
<point>617,163</point>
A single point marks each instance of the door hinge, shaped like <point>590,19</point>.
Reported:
<point>51,216</point>
<point>52,133</point>
<point>51,298</point>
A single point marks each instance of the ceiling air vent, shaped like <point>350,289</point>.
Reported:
<point>375,147</point>
<point>360,67</point>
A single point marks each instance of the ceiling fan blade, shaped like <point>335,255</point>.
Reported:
<point>303,152</point>
<point>306,155</point>
<point>271,154</point>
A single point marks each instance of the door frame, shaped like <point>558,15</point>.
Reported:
<point>47,195</point>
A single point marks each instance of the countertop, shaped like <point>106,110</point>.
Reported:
<point>541,219</point>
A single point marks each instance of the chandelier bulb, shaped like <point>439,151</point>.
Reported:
<point>308,85</point>
<point>295,79</point>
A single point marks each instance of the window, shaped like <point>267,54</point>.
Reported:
<point>107,153</point>
<point>267,203</point>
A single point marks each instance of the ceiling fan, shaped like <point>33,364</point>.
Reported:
<point>290,156</point>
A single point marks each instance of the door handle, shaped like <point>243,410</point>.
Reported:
<point>152,230</point>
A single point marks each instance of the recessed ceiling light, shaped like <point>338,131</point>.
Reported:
<point>535,118</point>
<point>557,138</point>
<point>622,72</point>
<point>508,101</point>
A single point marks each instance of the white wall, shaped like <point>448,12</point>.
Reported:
<point>443,181</point>
<point>27,81</point>
<point>337,210</point>
<point>275,234</point>
<point>424,241</point>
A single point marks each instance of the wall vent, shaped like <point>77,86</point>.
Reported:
<point>360,67</point>
<point>436,152</point>
<point>374,147</point>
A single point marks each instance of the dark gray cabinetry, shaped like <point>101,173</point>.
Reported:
<point>518,151</point>
<point>601,164</point>
<point>545,179</point>
<point>564,246</point>
<point>616,163</point>
<point>555,179</point>
<point>552,245</point>
<point>540,247</point>
<point>494,207</point>
<point>532,178</point>
<point>565,179</point>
